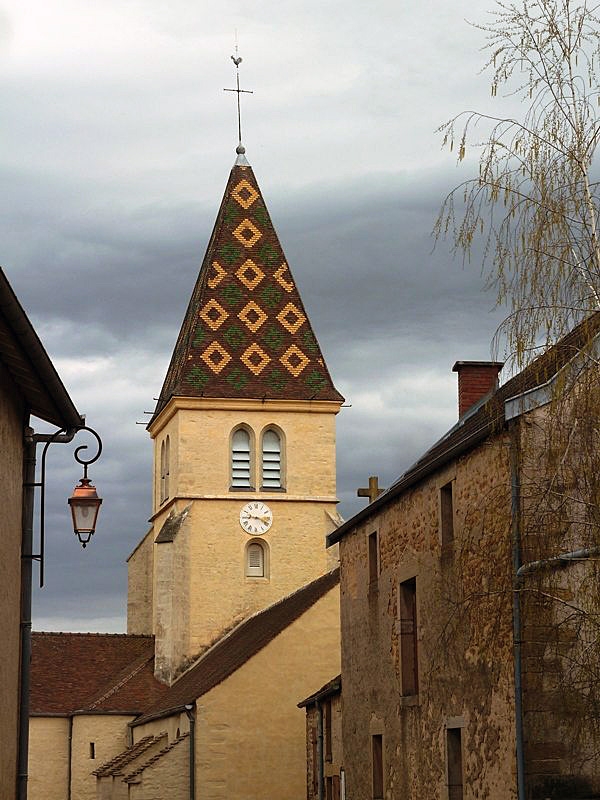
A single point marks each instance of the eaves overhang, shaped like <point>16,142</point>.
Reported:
<point>29,365</point>
<point>410,478</point>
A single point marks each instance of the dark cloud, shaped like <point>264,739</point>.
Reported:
<point>114,166</point>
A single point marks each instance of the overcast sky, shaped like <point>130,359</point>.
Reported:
<point>116,144</point>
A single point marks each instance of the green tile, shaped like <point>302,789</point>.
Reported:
<point>237,378</point>
<point>271,296</point>
<point>230,253</point>
<point>234,337</point>
<point>232,294</point>
<point>316,380</point>
<point>273,337</point>
<point>277,380</point>
<point>197,377</point>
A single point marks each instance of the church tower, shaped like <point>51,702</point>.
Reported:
<point>244,488</point>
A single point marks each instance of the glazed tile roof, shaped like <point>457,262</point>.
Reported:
<point>484,419</point>
<point>95,672</point>
<point>246,333</point>
<point>238,646</point>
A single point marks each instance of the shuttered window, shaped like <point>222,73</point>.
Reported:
<point>271,460</point>
<point>408,637</point>
<point>240,458</point>
<point>377,764</point>
<point>255,561</point>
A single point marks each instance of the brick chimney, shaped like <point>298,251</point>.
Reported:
<point>475,379</point>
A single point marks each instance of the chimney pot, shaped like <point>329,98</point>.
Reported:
<point>475,380</point>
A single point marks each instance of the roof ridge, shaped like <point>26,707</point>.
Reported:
<point>128,778</point>
<point>248,620</point>
<point>131,671</point>
<point>474,428</point>
<point>238,646</point>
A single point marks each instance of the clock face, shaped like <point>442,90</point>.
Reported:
<point>256,517</point>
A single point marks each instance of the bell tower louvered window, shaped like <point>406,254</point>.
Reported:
<point>255,560</point>
<point>240,459</point>
<point>271,460</point>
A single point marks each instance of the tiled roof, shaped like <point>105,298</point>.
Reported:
<point>117,765</point>
<point>483,420</point>
<point>130,778</point>
<point>238,646</point>
<point>246,333</point>
<point>332,687</point>
<point>96,672</point>
<point>172,525</point>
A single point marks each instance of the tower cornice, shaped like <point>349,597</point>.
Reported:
<point>250,406</point>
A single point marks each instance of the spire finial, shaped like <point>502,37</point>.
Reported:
<point>237,60</point>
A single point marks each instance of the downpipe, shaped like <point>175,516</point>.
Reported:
<point>515,502</point>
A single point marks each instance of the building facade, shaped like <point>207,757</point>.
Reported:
<point>469,598</point>
<point>29,386</point>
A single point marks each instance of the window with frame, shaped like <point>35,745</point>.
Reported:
<point>165,457</point>
<point>327,731</point>
<point>409,665</point>
<point>255,560</point>
<point>377,766</point>
<point>454,757</point>
<point>271,460</point>
<point>373,555</point>
<point>241,471</point>
<point>447,517</point>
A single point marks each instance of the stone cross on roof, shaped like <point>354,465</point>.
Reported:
<point>372,491</point>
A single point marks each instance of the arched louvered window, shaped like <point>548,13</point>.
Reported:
<point>271,460</point>
<point>240,459</point>
<point>255,560</point>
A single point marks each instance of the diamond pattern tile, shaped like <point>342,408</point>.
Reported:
<point>246,233</point>
<point>246,333</point>
<point>214,314</point>
<point>291,318</point>
<point>216,357</point>
<point>250,274</point>
<point>252,316</point>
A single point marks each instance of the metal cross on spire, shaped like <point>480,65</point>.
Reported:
<point>237,60</point>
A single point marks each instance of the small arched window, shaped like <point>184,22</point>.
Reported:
<point>240,459</point>
<point>167,465</point>
<point>255,560</point>
<point>164,469</point>
<point>271,460</point>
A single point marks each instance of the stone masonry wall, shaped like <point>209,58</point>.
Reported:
<point>464,637</point>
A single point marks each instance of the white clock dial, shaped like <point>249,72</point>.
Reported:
<point>256,517</point>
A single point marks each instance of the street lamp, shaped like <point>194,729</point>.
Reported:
<point>85,503</point>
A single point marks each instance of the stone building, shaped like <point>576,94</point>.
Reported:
<point>469,597</point>
<point>29,387</point>
<point>324,747</point>
<point>232,584</point>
